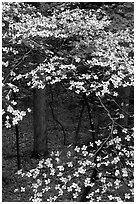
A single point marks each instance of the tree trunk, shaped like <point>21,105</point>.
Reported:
<point>40,120</point>
<point>125,95</point>
<point>126,105</point>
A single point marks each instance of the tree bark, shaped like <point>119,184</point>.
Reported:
<point>40,120</point>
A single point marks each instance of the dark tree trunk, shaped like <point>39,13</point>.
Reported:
<point>40,120</point>
<point>126,105</point>
<point>18,148</point>
<point>125,95</point>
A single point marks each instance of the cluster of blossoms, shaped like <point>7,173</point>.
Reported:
<point>65,174</point>
<point>13,116</point>
<point>111,64</point>
<point>10,113</point>
<point>108,55</point>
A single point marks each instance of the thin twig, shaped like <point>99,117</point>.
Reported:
<point>54,117</point>
<point>121,126</point>
<point>98,150</point>
<point>108,113</point>
<point>119,105</point>
<point>18,63</point>
<point>113,122</point>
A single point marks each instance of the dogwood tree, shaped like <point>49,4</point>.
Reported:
<point>79,49</point>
